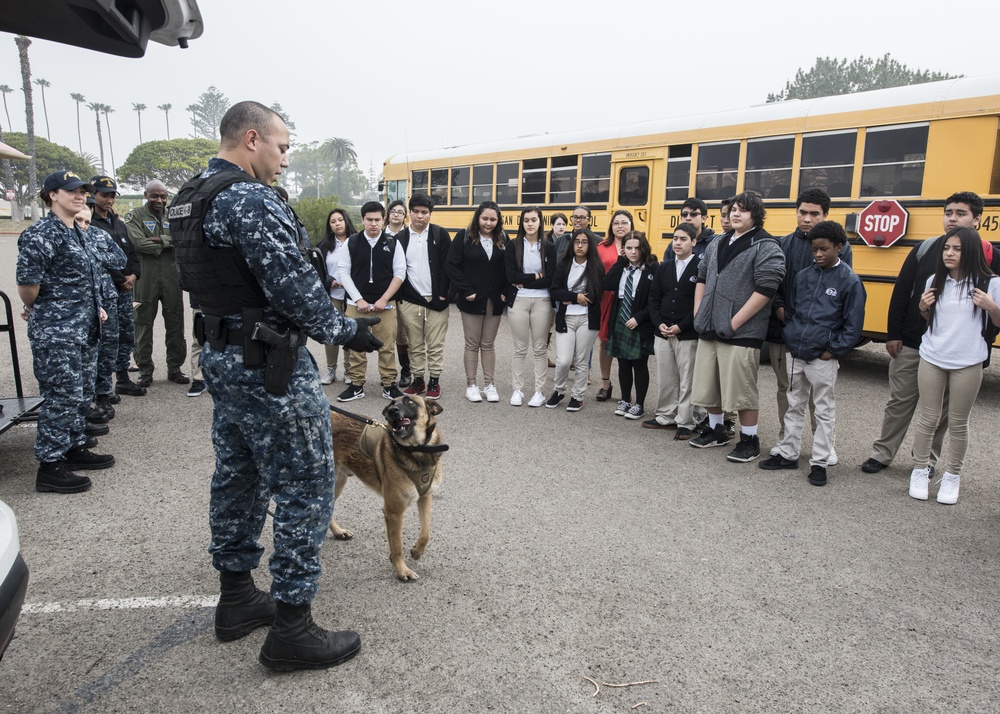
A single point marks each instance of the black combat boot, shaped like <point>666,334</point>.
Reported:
<point>54,477</point>
<point>95,429</point>
<point>125,385</point>
<point>103,402</point>
<point>96,415</point>
<point>405,376</point>
<point>296,642</point>
<point>242,607</point>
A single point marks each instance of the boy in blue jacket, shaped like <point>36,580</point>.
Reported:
<point>824,314</point>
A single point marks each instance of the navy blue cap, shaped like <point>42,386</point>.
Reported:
<point>66,180</point>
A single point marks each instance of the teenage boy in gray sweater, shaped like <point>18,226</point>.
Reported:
<point>737,279</point>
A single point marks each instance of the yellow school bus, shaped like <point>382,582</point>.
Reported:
<point>915,144</point>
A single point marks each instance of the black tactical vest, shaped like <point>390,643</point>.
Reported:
<point>219,279</point>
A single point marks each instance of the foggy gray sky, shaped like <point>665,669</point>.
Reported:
<point>396,76</point>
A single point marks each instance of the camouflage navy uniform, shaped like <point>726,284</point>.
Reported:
<point>126,316</point>
<point>266,444</point>
<point>109,257</point>
<point>63,330</point>
<point>159,284</point>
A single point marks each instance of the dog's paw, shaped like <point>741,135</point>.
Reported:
<point>406,575</point>
<point>340,533</point>
<point>415,553</point>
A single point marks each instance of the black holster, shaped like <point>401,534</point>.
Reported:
<point>254,351</point>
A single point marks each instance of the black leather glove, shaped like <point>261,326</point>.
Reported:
<point>364,340</point>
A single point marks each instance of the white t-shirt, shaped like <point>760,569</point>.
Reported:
<point>955,340</point>
<point>576,272</point>
<point>418,264</point>
<point>333,267</point>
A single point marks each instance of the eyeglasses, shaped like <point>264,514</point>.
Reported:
<point>579,218</point>
<point>621,223</point>
<point>581,242</point>
<point>691,214</point>
<point>397,212</point>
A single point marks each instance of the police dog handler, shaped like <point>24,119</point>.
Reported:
<point>236,249</point>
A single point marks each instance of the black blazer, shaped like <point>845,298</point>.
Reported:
<point>640,303</point>
<point>516,277</point>
<point>671,302</point>
<point>438,243</point>
<point>471,272</point>
<point>561,294</point>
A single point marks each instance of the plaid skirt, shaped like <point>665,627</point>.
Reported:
<point>627,344</point>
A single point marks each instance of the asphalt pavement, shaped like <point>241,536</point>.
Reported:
<point>564,546</point>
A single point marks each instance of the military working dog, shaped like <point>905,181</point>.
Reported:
<point>401,460</point>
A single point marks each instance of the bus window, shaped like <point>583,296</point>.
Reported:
<point>460,186</point>
<point>533,173</point>
<point>395,190</point>
<point>717,166</point>
<point>894,160</point>
<point>633,186</point>
<point>828,162</point>
<point>595,179</point>
<point>419,182</point>
<point>507,183</point>
<point>562,181</point>
<point>678,173</point>
<point>439,187</point>
<point>482,183</point>
<point>769,166</point>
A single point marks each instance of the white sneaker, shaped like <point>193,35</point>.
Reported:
<point>473,395</point>
<point>330,377</point>
<point>491,393</point>
<point>517,398</point>
<point>948,493</point>
<point>538,400</point>
<point>919,481</point>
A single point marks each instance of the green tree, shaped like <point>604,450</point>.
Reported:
<point>341,152</point>
<point>79,99</point>
<point>22,43</point>
<point>173,161</point>
<point>310,170</point>
<point>50,157</point>
<point>313,212</point>
<point>43,83</point>
<point>5,90</point>
<point>138,109</point>
<point>830,77</point>
<point>165,108</point>
<point>207,113</point>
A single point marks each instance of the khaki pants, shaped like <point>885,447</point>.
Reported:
<point>725,376</point>
<point>357,362</point>
<point>573,348</point>
<point>333,351</point>
<point>956,387</point>
<point>480,335</point>
<point>529,327</point>
<point>818,378</point>
<point>674,375</point>
<point>903,396</point>
<point>426,330</point>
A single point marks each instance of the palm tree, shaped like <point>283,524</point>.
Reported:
<point>22,43</point>
<point>79,99</point>
<point>138,109</point>
<point>105,109</point>
<point>340,152</point>
<point>5,90</point>
<point>165,108</point>
<point>43,83</point>
<point>96,108</point>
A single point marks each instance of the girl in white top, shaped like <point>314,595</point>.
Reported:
<point>338,229</point>
<point>396,221</point>
<point>959,300</point>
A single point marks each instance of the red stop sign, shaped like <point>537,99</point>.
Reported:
<point>882,223</point>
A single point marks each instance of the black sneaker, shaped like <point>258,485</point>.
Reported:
<point>555,399</point>
<point>702,427</point>
<point>83,458</point>
<point>96,430</point>
<point>391,392</point>
<point>716,437</point>
<point>196,389</point>
<point>574,405</point>
<point>54,477</point>
<point>683,434</point>
<point>747,450</point>
<point>817,476</point>
<point>730,427</point>
<point>352,393</point>
<point>405,378</point>
<point>777,461</point>
<point>873,466</point>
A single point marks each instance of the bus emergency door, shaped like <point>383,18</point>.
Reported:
<point>633,191</point>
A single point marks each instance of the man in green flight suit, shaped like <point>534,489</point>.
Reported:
<point>150,233</point>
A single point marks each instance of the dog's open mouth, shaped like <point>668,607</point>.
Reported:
<point>400,425</point>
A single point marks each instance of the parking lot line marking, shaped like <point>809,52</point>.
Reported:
<point>130,603</point>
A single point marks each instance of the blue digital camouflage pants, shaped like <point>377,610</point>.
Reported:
<point>126,331</point>
<point>269,446</point>
<point>62,371</point>
<point>107,352</point>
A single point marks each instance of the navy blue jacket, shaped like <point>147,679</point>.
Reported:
<point>671,302</point>
<point>825,311</point>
